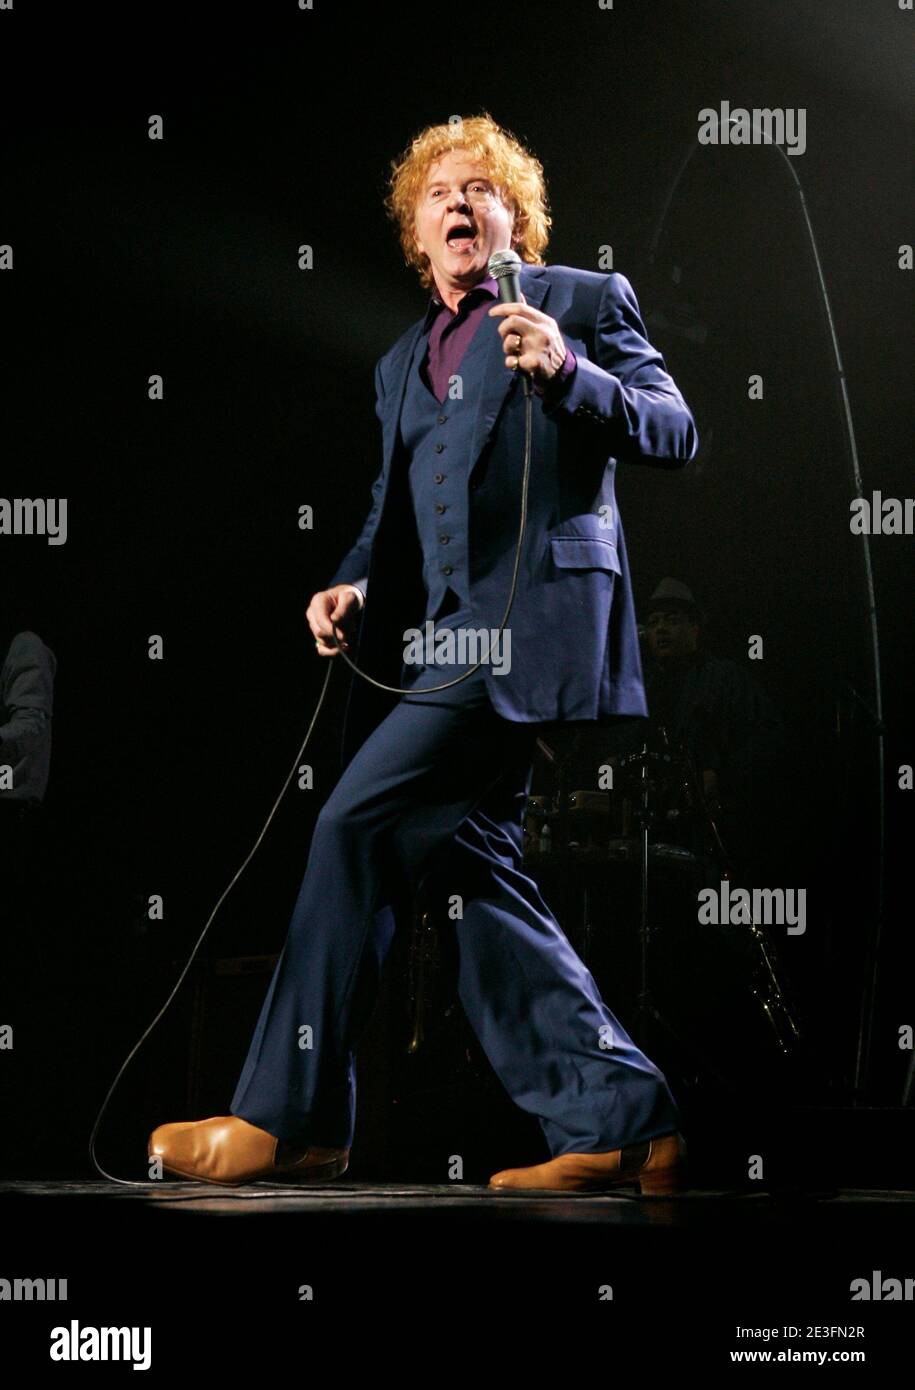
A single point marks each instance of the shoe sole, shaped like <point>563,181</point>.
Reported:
<point>667,1181</point>
<point>317,1173</point>
<point>664,1182</point>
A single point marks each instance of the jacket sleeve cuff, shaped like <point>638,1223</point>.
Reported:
<point>558,385</point>
<point>360,586</point>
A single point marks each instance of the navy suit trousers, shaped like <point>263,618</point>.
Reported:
<point>442,779</point>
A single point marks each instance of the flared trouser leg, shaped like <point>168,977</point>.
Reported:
<point>533,1004</point>
<point>443,777</point>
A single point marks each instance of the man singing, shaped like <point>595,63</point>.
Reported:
<point>444,777</point>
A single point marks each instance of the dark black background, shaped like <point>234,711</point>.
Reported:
<point>178,257</point>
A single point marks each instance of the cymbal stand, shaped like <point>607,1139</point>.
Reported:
<point>646,1010</point>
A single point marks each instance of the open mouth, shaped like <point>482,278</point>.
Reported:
<point>461,239</point>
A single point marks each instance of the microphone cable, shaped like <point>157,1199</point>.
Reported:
<point>191,958</point>
<point>399,690</point>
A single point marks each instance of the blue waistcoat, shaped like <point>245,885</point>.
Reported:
<point>436,438</point>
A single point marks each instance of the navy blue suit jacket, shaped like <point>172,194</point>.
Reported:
<point>574,643</point>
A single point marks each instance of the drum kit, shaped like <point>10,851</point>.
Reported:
<point>653,820</point>
<point>626,862</point>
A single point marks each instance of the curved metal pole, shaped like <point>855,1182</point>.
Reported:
<point>865,1020</point>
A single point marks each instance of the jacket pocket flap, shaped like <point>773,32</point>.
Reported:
<point>584,552</point>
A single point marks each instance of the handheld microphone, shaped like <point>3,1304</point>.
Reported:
<point>505,269</point>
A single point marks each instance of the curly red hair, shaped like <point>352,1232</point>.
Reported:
<point>517,174</point>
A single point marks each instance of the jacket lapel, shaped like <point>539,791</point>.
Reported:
<point>393,401</point>
<point>497,380</point>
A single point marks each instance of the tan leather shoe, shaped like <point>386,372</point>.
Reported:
<point>656,1168</point>
<point>230,1151</point>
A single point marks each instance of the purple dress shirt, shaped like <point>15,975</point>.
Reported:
<point>451,333</point>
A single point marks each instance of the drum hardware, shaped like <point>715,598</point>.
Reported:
<point>589,803</point>
<point>771,994</point>
<point>587,818</point>
<point>652,789</point>
<point>440,1033</point>
<point>644,819</point>
<point>663,788</point>
<point>581,822</point>
<point>425,957</point>
<point>640,765</point>
<point>537,814</point>
<point>549,820</point>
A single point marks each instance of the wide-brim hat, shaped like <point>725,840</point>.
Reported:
<point>675,595</point>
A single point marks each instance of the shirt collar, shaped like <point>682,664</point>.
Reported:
<point>435,303</point>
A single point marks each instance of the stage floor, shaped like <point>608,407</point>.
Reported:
<point>680,1277</point>
<point>695,1209</point>
<point>698,1207</point>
